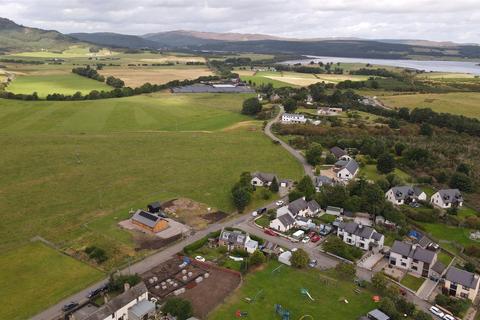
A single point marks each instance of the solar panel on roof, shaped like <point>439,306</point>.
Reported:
<point>148,216</point>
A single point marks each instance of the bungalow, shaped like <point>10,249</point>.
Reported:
<point>232,239</point>
<point>405,195</point>
<point>289,118</point>
<point>413,258</point>
<point>321,181</point>
<point>447,198</point>
<point>149,221</point>
<point>132,304</point>
<point>461,284</point>
<point>346,170</point>
<point>283,223</point>
<point>260,179</point>
<point>360,236</point>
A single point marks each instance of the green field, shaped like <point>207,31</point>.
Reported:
<point>72,52</point>
<point>371,173</point>
<point>412,282</point>
<point>60,83</point>
<point>35,276</point>
<point>283,287</point>
<point>465,103</point>
<point>449,233</point>
<point>259,80</point>
<point>72,170</point>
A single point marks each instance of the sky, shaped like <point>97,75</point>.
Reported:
<point>440,20</point>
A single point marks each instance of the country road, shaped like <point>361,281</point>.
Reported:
<point>268,131</point>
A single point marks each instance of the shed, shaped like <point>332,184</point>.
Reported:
<point>377,315</point>
<point>285,258</point>
<point>335,211</point>
<point>154,207</point>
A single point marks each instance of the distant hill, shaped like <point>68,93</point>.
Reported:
<point>117,40</point>
<point>15,37</point>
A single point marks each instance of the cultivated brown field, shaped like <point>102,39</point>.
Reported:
<point>135,76</point>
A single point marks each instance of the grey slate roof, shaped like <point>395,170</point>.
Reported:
<point>233,237</point>
<point>463,277</point>
<point>405,192</point>
<point>323,181</point>
<point>451,195</point>
<point>417,252</point>
<point>313,205</point>
<point>146,218</point>
<point>286,220</point>
<point>204,88</point>
<point>338,152</point>
<point>351,165</point>
<point>438,267</point>
<point>265,177</point>
<point>360,230</point>
<point>118,302</point>
<point>377,315</point>
<point>298,205</point>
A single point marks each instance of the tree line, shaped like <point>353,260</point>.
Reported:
<point>115,93</point>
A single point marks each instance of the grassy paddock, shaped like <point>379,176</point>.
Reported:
<point>465,103</point>
<point>59,83</point>
<point>283,287</point>
<point>36,276</point>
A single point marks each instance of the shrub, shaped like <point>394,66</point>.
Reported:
<point>299,259</point>
<point>180,308</point>
<point>97,254</point>
<point>256,258</point>
<point>251,106</point>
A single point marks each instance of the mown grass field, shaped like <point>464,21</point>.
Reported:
<point>412,282</point>
<point>136,76</point>
<point>55,83</point>
<point>35,276</point>
<point>259,80</point>
<point>72,52</point>
<point>465,103</point>
<point>283,287</point>
<point>72,170</point>
<point>371,173</point>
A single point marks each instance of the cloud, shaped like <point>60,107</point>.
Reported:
<point>457,20</point>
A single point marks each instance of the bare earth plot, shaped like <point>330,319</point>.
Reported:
<point>135,77</point>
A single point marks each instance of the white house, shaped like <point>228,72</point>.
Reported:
<point>405,194</point>
<point>413,258</point>
<point>363,237</point>
<point>132,304</point>
<point>346,170</point>
<point>289,118</point>
<point>461,284</point>
<point>283,223</point>
<point>260,179</point>
<point>327,111</point>
<point>251,245</point>
<point>447,198</point>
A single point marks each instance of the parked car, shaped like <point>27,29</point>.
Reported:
<point>306,239</point>
<point>200,258</point>
<point>262,210</point>
<point>415,205</point>
<point>254,214</point>
<point>95,292</point>
<point>315,238</point>
<point>270,232</point>
<point>280,203</point>
<point>312,263</point>
<point>311,234</point>
<point>448,317</point>
<point>436,311</point>
<point>69,306</point>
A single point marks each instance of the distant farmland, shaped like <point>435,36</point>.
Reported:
<point>465,103</point>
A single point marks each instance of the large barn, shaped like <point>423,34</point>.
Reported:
<point>149,221</point>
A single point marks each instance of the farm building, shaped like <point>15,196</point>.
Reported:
<point>149,221</point>
<point>293,118</point>
<point>154,207</point>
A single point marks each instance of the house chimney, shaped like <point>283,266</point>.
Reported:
<point>126,287</point>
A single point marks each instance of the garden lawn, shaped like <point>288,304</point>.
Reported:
<point>444,258</point>
<point>283,287</point>
<point>61,83</point>
<point>263,221</point>
<point>449,233</point>
<point>371,173</point>
<point>412,282</point>
<point>464,103</point>
<point>35,276</point>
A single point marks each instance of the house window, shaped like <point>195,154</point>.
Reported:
<point>403,264</point>
<point>464,295</point>
<point>414,268</point>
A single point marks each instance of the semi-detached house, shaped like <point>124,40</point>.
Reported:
<point>413,258</point>
<point>363,237</point>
